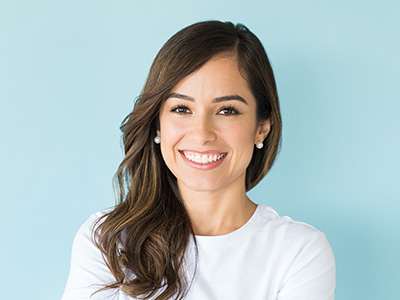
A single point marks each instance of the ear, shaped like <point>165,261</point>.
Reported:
<point>158,133</point>
<point>263,129</point>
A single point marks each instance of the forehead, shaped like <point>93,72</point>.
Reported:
<point>220,76</point>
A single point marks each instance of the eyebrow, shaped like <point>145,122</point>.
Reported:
<point>215,100</point>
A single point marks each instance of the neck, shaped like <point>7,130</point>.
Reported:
<point>217,212</point>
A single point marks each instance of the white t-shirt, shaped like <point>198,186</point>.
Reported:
<point>269,258</point>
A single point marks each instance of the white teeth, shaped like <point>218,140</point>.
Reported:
<point>203,159</point>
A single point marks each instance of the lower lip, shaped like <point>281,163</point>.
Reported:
<point>207,166</point>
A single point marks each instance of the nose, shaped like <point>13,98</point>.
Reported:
<point>202,129</point>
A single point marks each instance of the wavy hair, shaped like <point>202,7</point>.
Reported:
<point>144,238</point>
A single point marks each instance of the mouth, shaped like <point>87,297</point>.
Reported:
<point>203,158</point>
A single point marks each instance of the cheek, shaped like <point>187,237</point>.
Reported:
<point>241,135</point>
<point>241,140</point>
<point>170,134</point>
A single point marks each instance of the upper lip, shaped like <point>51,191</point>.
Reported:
<point>208,152</point>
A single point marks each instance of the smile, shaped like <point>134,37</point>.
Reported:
<point>203,158</point>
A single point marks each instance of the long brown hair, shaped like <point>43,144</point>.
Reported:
<point>143,240</point>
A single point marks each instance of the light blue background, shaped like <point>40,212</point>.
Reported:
<point>70,71</point>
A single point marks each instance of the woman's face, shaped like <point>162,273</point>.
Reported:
<point>208,127</point>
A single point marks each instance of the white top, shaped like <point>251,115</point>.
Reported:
<point>269,258</point>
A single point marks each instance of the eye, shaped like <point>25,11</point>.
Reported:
<point>229,111</point>
<point>181,109</point>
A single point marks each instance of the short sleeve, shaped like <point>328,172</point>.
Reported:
<point>311,275</point>
<point>88,271</point>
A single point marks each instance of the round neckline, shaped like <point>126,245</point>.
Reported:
<point>229,238</point>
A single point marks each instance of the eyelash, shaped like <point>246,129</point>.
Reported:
<point>180,109</point>
<point>230,110</point>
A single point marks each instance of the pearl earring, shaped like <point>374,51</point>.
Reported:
<point>157,140</point>
<point>259,145</point>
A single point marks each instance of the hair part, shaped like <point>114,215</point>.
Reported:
<point>144,239</point>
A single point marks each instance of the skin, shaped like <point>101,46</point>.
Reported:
<point>212,113</point>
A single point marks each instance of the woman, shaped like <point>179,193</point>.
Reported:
<point>205,130</point>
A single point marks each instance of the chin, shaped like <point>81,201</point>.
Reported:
<point>202,185</point>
